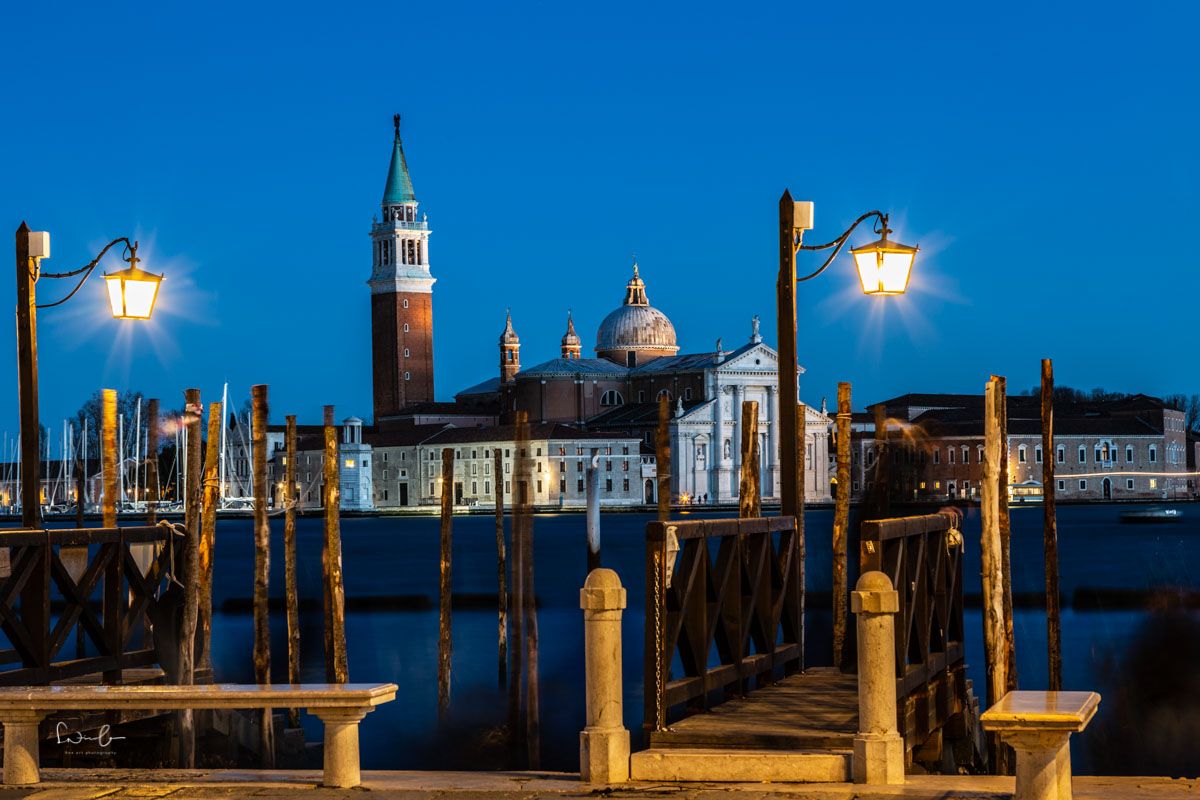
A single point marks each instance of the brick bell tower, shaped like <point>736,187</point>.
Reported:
<point>401,296</point>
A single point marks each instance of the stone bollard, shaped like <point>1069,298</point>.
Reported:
<point>878,748</point>
<point>604,743</point>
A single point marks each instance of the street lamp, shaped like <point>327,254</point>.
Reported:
<point>883,267</point>
<point>131,293</point>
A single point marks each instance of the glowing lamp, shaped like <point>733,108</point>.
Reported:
<point>884,266</point>
<point>132,292</point>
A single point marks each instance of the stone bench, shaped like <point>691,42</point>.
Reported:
<point>340,706</point>
<point>1039,725</point>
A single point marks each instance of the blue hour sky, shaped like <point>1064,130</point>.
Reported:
<point>1042,155</point>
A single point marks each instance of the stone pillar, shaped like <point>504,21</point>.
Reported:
<point>1043,764</point>
<point>878,748</point>
<point>21,747</point>
<point>341,745</point>
<point>604,743</point>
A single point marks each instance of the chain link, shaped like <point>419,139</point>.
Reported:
<point>660,717</point>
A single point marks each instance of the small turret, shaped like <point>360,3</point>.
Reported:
<point>571,346</point>
<point>510,352</point>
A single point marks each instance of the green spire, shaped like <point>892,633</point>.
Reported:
<point>399,186</point>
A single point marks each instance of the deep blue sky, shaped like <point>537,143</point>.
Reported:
<point>1043,156</point>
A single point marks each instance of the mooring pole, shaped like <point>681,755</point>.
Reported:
<point>1050,531</point>
<point>524,529</point>
<point>662,458</point>
<point>193,413</point>
<point>749,499</point>
<point>262,565</point>
<point>841,527</point>
<point>501,566</point>
<point>444,587</point>
<point>113,593</point>
<point>336,663</point>
<point>291,590</point>
<point>152,488</point>
<point>995,657</point>
<point>592,484</point>
<point>207,540</point>
<point>1010,649</point>
<point>27,379</point>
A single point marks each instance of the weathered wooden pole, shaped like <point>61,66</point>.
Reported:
<point>1010,649</point>
<point>113,592</point>
<point>193,413</point>
<point>516,650</point>
<point>995,657</point>
<point>207,540</point>
<point>27,387</point>
<point>501,566</point>
<point>444,587</point>
<point>592,484</point>
<point>1050,531</point>
<point>336,663</point>
<point>841,527</point>
<point>791,487</point>
<point>262,564</point>
<point>749,497</point>
<point>152,488</point>
<point>662,458</point>
<point>291,590</point>
<point>524,472</point>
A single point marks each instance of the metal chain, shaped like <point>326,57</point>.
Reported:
<point>660,717</point>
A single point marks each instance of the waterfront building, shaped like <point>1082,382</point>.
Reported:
<point>1133,448</point>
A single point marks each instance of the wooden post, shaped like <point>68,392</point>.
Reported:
<point>1010,650</point>
<point>524,528</point>
<point>27,387</point>
<point>207,540</point>
<point>114,595</point>
<point>996,661</point>
<point>749,497</point>
<point>152,488</point>
<point>444,587</point>
<point>291,590</point>
<point>1050,531</point>
<point>592,484</point>
<point>516,650</point>
<point>336,664</point>
<point>662,450</point>
<point>501,566</point>
<point>841,527</point>
<point>262,564</point>
<point>193,413</point>
<point>791,489</point>
<point>879,497</point>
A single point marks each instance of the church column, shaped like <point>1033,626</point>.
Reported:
<point>735,449</point>
<point>716,462</point>
<point>772,413</point>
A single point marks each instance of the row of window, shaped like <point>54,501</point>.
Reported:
<point>562,486</point>
<point>1104,453</point>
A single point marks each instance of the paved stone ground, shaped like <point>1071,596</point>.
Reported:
<point>77,784</point>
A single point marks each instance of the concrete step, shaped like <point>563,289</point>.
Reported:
<point>730,765</point>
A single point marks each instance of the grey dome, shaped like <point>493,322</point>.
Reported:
<point>636,326</point>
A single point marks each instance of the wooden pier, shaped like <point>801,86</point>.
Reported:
<point>727,693</point>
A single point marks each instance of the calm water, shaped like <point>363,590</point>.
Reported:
<point>399,556</point>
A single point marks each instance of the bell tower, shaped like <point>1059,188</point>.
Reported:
<point>401,295</point>
<point>510,352</point>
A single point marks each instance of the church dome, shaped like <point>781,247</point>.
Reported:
<point>637,331</point>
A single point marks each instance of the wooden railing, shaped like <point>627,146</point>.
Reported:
<point>923,558</point>
<point>41,603</point>
<point>729,606</point>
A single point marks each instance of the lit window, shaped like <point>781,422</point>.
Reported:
<point>1154,483</point>
<point>349,462</point>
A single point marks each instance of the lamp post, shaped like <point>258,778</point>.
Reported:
<point>132,293</point>
<point>883,266</point>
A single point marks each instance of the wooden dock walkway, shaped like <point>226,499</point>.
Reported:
<point>812,710</point>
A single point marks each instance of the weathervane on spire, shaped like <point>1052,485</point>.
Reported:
<point>396,123</point>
